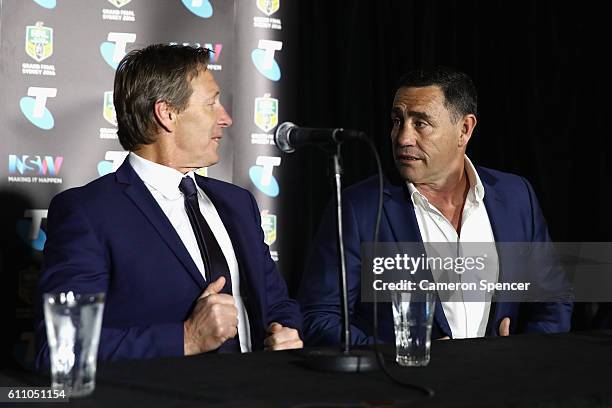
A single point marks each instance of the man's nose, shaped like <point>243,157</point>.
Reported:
<point>225,120</point>
<point>406,136</point>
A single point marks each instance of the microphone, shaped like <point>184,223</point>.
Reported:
<point>289,136</point>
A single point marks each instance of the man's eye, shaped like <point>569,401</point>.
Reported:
<point>420,124</point>
<point>396,121</point>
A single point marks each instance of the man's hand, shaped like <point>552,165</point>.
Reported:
<point>214,320</point>
<point>504,327</point>
<point>282,338</point>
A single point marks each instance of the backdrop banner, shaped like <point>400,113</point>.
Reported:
<point>58,123</point>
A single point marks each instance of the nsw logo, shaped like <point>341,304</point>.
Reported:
<point>261,175</point>
<point>201,8</point>
<point>34,165</point>
<point>266,113</point>
<point>112,161</point>
<point>264,61</point>
<point>268,7</point>
<point>113,50</point>
<point>34,106</point>
<point>39,41</point>
<point>108,109</point>
<point>46,3</point>
<point>29,229</point>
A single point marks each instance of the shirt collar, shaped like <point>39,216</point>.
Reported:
<point>159,177</point>
<point>476,186</point>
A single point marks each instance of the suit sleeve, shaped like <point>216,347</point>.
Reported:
<point>319,293</point>
<point>547,317</point>
<point>280,308</point>
<point>76,259</point>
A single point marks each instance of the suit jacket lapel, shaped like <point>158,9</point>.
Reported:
<point>501,224</point>
<point>401,219</point>
<point>139,194</point>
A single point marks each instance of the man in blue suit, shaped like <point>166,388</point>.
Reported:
<point>435,195</point>
<point>180,257</point>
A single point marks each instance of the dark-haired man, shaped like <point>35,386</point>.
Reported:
<point>435,195</point>
<point>181,257</point>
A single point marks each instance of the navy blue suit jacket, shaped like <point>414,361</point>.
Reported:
<point>515,216</point>
<point>111,236</point>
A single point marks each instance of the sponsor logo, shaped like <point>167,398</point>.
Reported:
<point>268,224</point>
<point>119,3</point>
<point>118,15</point>
<point>202,171</point>
<point>263,58</point>
<point>34,106</point>
<point>29,229</point>
<point>268,7</point>
<point>261,175</point>
<point>112,161</point>
<point>113,50</point>
<point>108,112</point>
<point>201,8</point>
<point>34,169</point>
<point>39,41</point>
<point>215,54</point>
<point>46,3</point>
<point>38,46</point>
<point>266,113</point>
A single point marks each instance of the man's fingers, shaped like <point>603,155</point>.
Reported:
<point>444,338</point>
<point>504,327</point>
<point>285,335</point>
<point>288,345</point>
<point>214,287</point>
<point>275,327</point>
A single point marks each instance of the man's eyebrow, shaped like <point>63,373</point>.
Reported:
<point>419,115</point>
<point>213,95</point>
<point>415,114</point>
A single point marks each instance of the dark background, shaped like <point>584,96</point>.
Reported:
<point>538,67</point>
<point>542,82</point>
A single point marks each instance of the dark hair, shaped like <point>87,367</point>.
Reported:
<point>158,72</point>
<point>460,96</point>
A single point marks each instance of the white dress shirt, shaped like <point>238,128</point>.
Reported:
<point>163,183</point>
<point>466,319</point>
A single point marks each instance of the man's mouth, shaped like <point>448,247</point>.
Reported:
<point>406,158</point>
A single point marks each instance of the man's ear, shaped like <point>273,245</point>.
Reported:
<point>165,116</point>
<point>467,123</point>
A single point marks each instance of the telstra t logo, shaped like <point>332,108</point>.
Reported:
<point>261,175</point>
<point>34,106</point>
<point>112,161</point>
<point>201,8</point>
<point>29,229</point>
<point>46,3</point>
<point>264,61</point>
<point>113,50</point>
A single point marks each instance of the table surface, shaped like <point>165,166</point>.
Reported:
<point>559,370</point>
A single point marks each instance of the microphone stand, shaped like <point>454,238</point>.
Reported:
<point>345,359</point>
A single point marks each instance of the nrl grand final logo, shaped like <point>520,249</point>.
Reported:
<point>268,224</point>
<point>119,3</point>
<point>266,113</point>
<point>268,7</point>
<point>109,109</point>
<point>39,41</point>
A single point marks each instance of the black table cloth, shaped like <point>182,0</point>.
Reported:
<point>560,370</point>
